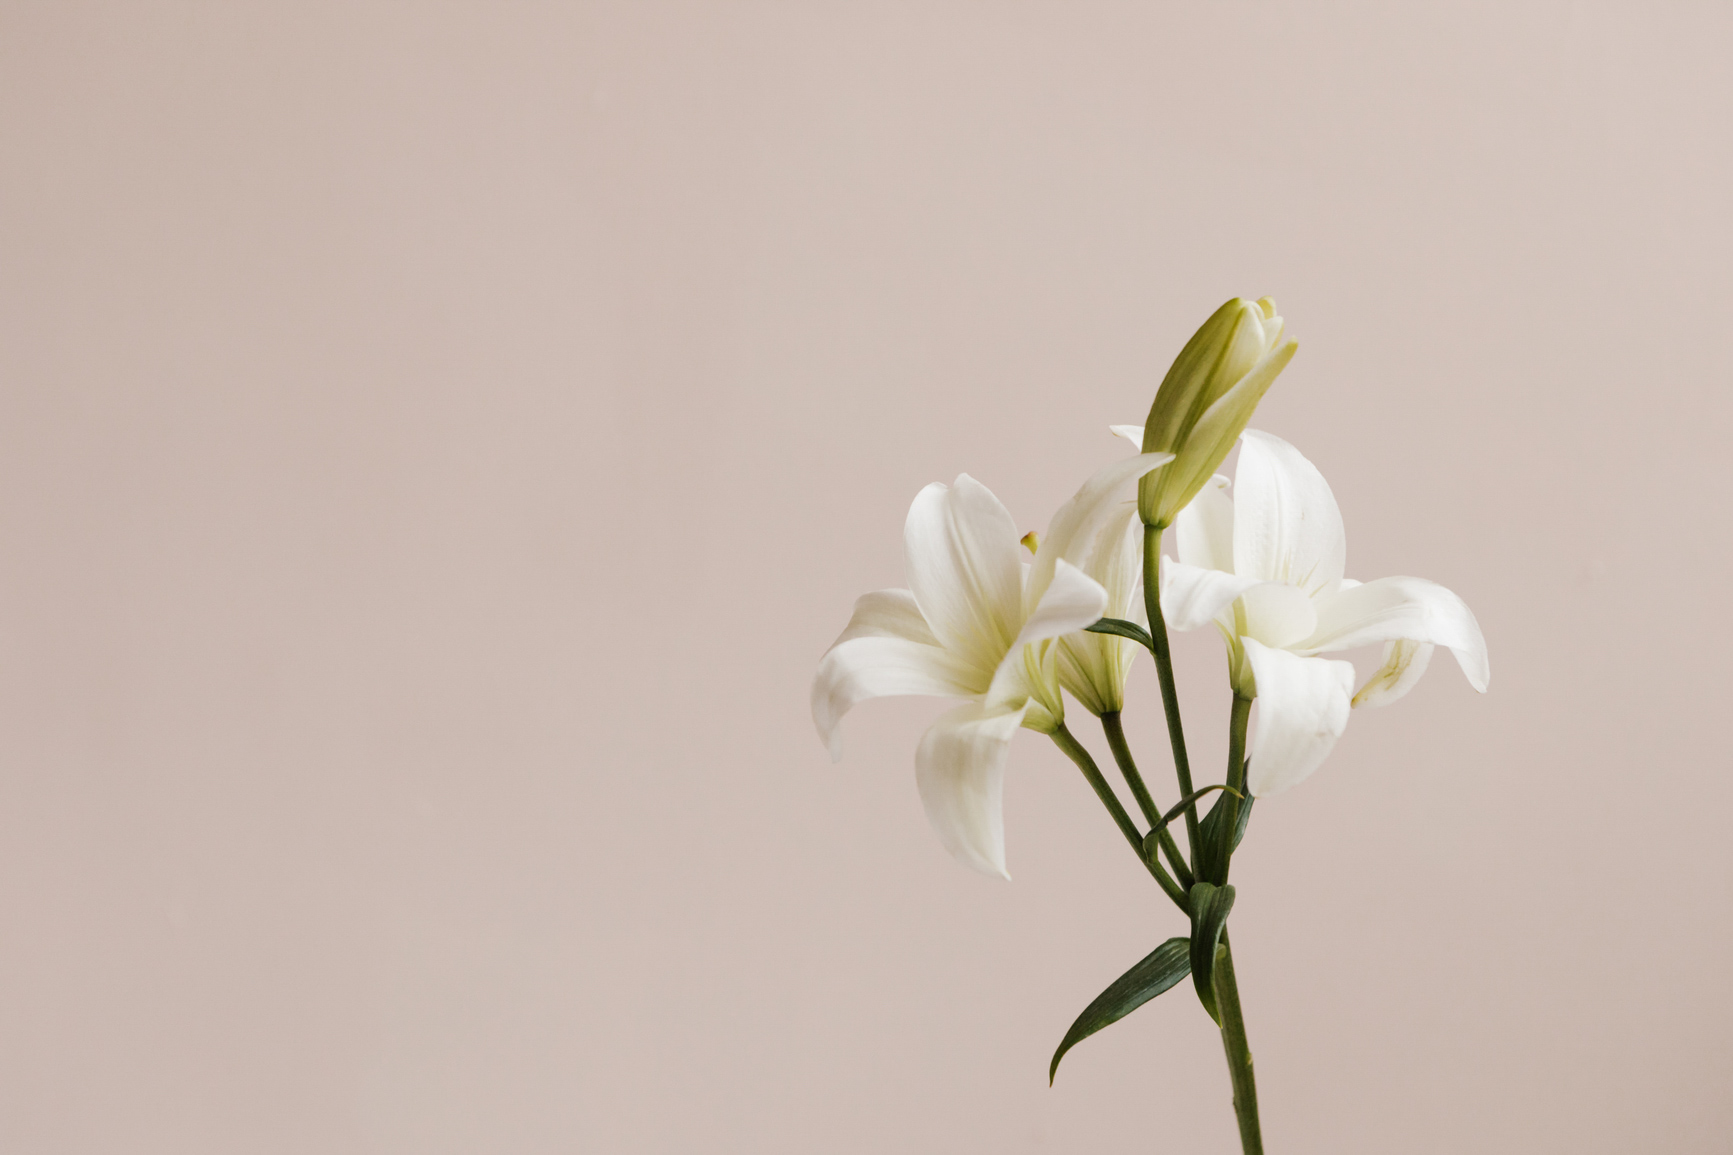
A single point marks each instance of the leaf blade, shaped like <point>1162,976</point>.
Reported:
<point>1124,629</point>
<point>1245,817</point>
<point>1217,848</point>
<point>1210,905</point>
<point>1158,971</point>
<point>1151,841</point>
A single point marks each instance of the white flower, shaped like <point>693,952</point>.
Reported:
<point>1267,567</point>
<point>975,623</point>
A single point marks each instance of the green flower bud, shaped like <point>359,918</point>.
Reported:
<point>1206,399</point>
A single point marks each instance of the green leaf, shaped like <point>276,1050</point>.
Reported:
<point>1209,913</point>
<point>1124,629</point>
<point>1246,806</point>
<point>1161,969</point>
<point>1214,852</point>
<point>1152,840</point>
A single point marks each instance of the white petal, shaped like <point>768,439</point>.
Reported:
<point>1394,608</point>
<point>1093,667</point>
<point>1404,661</point>
<point>1276,614</point>
<point>1044,706</point>
<point>1192,596</point>
<point>1273,323</point>
<point>1072,530</point>
<point>1132,433</point>
<point>960,770</point>
<point>1073,600</point>
<point>1204,530</point>
<point>961,552</point>
<point>1116,561</point>
<point>1302,710</point>
<point>1028,680</point>
<point>1248,347</point>
<point>1287,526</point>
<point>887,614</point>
<point>880,667</point>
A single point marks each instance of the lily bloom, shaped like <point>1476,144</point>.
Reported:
<point>976,623</point>
<point>1267,567</point>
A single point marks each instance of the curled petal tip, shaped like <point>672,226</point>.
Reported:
<point>991,867</point>
<point>982,863</point>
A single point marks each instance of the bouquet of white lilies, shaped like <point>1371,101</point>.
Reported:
<point>1262,558</point>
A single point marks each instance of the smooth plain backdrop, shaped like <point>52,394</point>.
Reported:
<point>437,441</point>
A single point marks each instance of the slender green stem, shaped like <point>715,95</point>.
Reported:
<point>1169,847</point>
<point>1164,668</point>
<point>1115,730</point>
<point>1239,1053</point>
<point>1074,750</point>
<point>1242,710</point>
<point>1063,738</point>
<point>1227,991</point>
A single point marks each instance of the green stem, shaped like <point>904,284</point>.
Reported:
<point>1164,668</point>
<point>1115,730</point>
<point>1238,1053</point>
<point>1074,750</point>
<point>1242,710</point>
<point>1227,991</point>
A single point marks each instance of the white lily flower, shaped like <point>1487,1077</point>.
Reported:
<point>1266,566</point>
<point>975,623</point>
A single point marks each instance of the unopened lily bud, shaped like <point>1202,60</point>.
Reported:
<point>1206,399</point>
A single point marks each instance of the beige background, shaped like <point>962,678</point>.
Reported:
<point>437,441</point>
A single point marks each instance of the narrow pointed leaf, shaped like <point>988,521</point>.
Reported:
<point>1161,969</point>
<point>1245,813</point>
<point>1215,850</point>
<point>1210,905</point>
<point>1124,629</point>
<point>1152,840</point>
